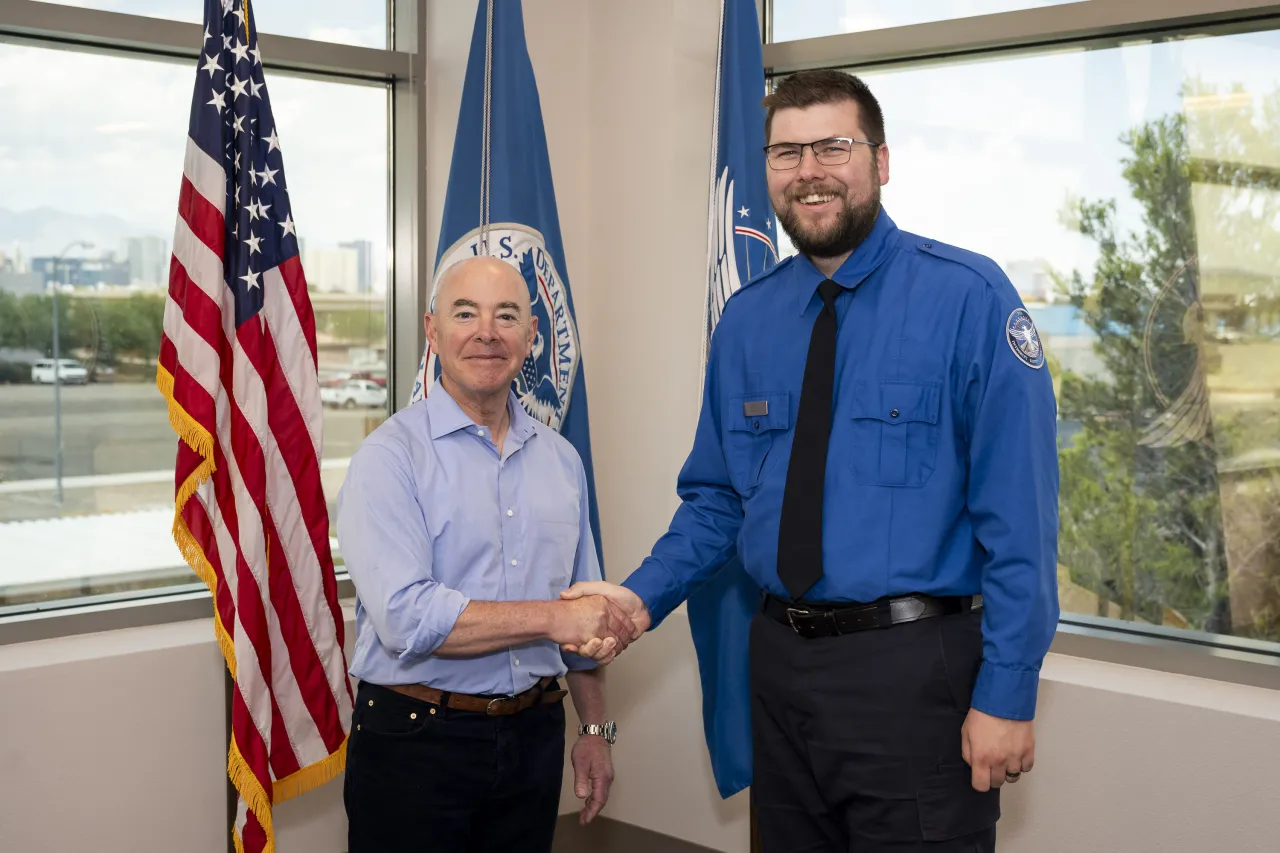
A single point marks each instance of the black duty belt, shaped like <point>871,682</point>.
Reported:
<point>831,619</point>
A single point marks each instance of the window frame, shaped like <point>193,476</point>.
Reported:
<point>1090,24</point>
<point>400,69</point>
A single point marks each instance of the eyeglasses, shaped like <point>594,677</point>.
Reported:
<point>829,152</point>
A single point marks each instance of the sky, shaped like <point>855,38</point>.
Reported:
<point>984,154</point>
<point>106,134</point>
<point>358,22</point>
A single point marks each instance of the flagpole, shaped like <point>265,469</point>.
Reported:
<point>228,683</point>
<point>233,796</point>
<point>711,206</point>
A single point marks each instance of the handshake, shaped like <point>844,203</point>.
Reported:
<point>598,620</point>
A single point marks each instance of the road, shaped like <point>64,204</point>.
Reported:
<point>110,429</point>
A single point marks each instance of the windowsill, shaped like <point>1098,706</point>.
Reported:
<point>49,620</point>
<point>1235,661</point>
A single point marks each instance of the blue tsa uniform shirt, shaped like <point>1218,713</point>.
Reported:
<point>942,469</point>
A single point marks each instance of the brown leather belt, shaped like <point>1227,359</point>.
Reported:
<point>494,706</point>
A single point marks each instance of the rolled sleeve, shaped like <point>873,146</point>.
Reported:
<point>388,553</point>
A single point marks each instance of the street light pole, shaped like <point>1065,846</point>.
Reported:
<point>57,369</point>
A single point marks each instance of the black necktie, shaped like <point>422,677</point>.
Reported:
<point>800,527</point>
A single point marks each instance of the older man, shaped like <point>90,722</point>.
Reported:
<point>461,520</point>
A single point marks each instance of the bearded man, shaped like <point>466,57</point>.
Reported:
<point>877,442</point>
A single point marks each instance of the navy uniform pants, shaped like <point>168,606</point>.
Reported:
<point>453,781</point>
<point>856,739</point>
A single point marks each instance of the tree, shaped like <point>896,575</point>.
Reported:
<point>1142,522</point>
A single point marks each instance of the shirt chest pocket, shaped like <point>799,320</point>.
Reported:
<point>754,424</point>
<point>555,536</point>
<point>895,432</point>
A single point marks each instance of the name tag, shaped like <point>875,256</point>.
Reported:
<point>755,409</point>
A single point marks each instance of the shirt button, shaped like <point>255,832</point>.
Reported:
<point>894,413</point>
<point>480,432</point>
<point>510,512</point>
<point>515,562</point>
<point>517,661</point>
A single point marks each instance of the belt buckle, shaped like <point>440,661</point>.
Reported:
<point>488,709</point>
<point>792,613</point>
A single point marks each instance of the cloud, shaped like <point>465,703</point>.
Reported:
<point>91,134</point>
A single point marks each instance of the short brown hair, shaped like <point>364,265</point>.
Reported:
<point>810,88</point>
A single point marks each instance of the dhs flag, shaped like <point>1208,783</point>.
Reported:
<point>501,202</point>
<point>741,240</point>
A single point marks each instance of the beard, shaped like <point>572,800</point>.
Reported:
<point>852,224</point>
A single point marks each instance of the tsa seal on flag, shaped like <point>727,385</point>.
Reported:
<point>544,384</point>
<point>1023,338</point>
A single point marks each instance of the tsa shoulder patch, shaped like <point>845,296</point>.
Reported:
<point>1023,338</point>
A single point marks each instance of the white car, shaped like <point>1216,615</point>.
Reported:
<point>70,371</point>
<point>354,392</point>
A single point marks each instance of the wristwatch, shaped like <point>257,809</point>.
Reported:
<point>608,730</point>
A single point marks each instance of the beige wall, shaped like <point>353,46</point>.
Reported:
<point>116,742</point>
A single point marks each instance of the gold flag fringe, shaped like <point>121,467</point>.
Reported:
<point>255,796</point>
<point>313,776</point>
<point>238,770</point>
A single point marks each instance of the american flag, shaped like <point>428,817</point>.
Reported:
<point>238,368</point>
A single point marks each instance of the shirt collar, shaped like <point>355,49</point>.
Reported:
<point>446,416</point>
<point>864,260</point>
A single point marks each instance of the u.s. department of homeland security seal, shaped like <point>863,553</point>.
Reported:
<point>1023,338</point>
<point>544,385</point>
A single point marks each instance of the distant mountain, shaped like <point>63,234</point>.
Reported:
<point>46,231</point>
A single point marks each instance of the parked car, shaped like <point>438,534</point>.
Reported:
<point>376,378</point>
<point>354,392</point>
<point>70,371</point>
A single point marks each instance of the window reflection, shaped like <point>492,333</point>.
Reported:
<point>1132,195</point>
<point>88,198</point>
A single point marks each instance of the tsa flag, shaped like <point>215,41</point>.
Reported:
<point>741,241</point>
<point>501,202</point>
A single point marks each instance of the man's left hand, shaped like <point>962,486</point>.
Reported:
<point>993,747</point>
<point>592,774</point>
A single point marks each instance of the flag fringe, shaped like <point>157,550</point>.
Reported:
<point>237,840</point>
<point>198,438</point>
<point>199,563</point>
<point>187,428</point>
<point>251,791</point>
<point>311,777</point>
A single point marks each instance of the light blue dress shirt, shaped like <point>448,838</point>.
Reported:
<point>431,517</point>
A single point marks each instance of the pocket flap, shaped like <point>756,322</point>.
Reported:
<point>767,412</point>
<point>896,402</point>
<point>951,808</point>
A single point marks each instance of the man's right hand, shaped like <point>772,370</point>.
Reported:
<point>630,604</point>
<point>591,618</point>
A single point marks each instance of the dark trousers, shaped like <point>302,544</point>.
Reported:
<point>857,739</point>
<point>453,781</point>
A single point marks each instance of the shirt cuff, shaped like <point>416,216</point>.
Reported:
<point>577,663</point>
<point>656,588</point>
<point>438,620</point>
<point>1006,693</point>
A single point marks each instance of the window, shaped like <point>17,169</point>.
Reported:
<point>802,19</point>
<point>91,163</point>
<point>356,22</point>
<point>1132,195</point>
